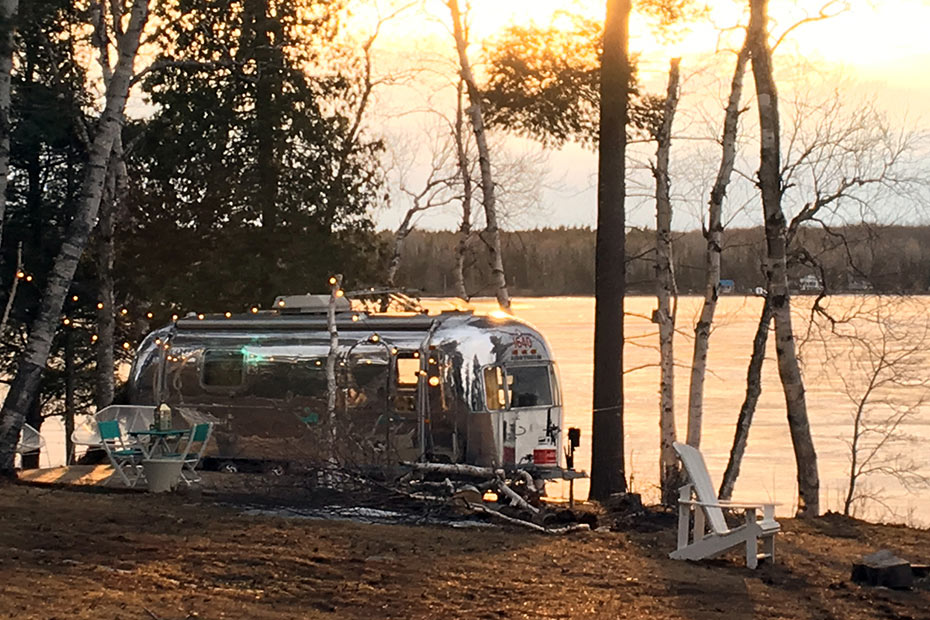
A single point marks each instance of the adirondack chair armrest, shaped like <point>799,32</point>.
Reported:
<point>728,504</point>
<point>768,508</point>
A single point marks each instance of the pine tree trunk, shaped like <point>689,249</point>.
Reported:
<point>70,387</point>
<point>106,315</point>
<point>24,389</point>
<point>8,308</point>
<point>8,9</point>
<point>713,235</point>
<point>464,232</point>
<point>484,161</point>
<point>666,291</point>
<point>753,390</point>
<point>607,467</point>
<point>776,271</point>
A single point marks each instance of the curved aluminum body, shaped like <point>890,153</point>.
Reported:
<point>452,387</point>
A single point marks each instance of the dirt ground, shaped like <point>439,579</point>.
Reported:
<point>81,554</point>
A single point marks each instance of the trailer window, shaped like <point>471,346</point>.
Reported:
<point>495,389</point>
<point>530,386</point>
<point>408,370</point>
<point>222,369</point>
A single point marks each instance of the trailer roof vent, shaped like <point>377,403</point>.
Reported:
<point>309,304</point>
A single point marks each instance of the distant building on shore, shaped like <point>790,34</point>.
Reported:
<point>727,286</point>
<point>809,283</point>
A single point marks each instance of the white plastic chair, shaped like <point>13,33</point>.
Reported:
<point>129,418</point>
<point>711,536</point>
<point>30,441</point>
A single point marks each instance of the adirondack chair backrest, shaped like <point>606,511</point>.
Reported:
<point>694,464</point>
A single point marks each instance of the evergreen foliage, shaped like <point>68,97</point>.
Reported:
<point>250,181</point>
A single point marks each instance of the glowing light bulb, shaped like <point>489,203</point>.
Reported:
<point>174,317</point>
<point>254,310</point>
<point>149,315</point>
<point>93,338</point>
<point>28,278</point>
<point>20,274</point>
<point>354,317</point>
<point>124,311</point>
<point>67,321</point>
<point>200,317</point>
<point>228,314</point>
<point>126,345</point>
<point>340,293</point>
<point>74,298</point>
<point>375,338</point>
<point>434,381</point>
<point>332,280</point>
<point>280,303</point>
<point>99,305</point>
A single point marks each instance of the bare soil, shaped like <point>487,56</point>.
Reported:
<point>79,554</point>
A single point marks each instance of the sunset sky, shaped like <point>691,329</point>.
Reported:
<point>874,50</point>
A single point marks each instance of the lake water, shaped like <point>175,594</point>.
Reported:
<point>768,471</point>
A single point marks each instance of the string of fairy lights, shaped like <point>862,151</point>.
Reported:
<point>124,312</point>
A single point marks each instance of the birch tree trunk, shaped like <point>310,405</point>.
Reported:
<point>400,235</point>
<point>666,291</point>
<point>607,466</point>
<point>713,234</point>
<point>753,390</point>
<point>464,232</point>
<point>776,272</point>
<point>8,9</point>
<point>335,285</point>
<point>29,372</point>
<point>484,160</point>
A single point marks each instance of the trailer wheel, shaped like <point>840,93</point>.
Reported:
<point>229,467</point>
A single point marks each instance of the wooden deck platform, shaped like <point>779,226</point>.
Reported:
<point>70,475</point>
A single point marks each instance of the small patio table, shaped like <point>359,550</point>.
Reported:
<point>158,442</point>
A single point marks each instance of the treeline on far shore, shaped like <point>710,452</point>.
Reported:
<point>560,261</point>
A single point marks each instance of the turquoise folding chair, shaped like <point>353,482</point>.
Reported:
<point>193,451</point>
<point>126,459</point>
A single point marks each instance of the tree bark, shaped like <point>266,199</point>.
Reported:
<point>484,161</point>
<point>776,273</point>
<point>335,286</point>
<point>400,235</point>
<point>666,292</point>
<point>607,467</point>
<point>753,390</point>
<point>8,308</point>
<point>25,385</point>
<point>106,309</point>
<point>464,232</point>
<point>70,387</point>
<point>8,9</point>
<point>713,235</point>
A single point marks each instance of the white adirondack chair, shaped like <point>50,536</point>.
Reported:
<point>711,535</point>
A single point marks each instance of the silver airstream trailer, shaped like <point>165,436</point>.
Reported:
<point>452,387</point>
